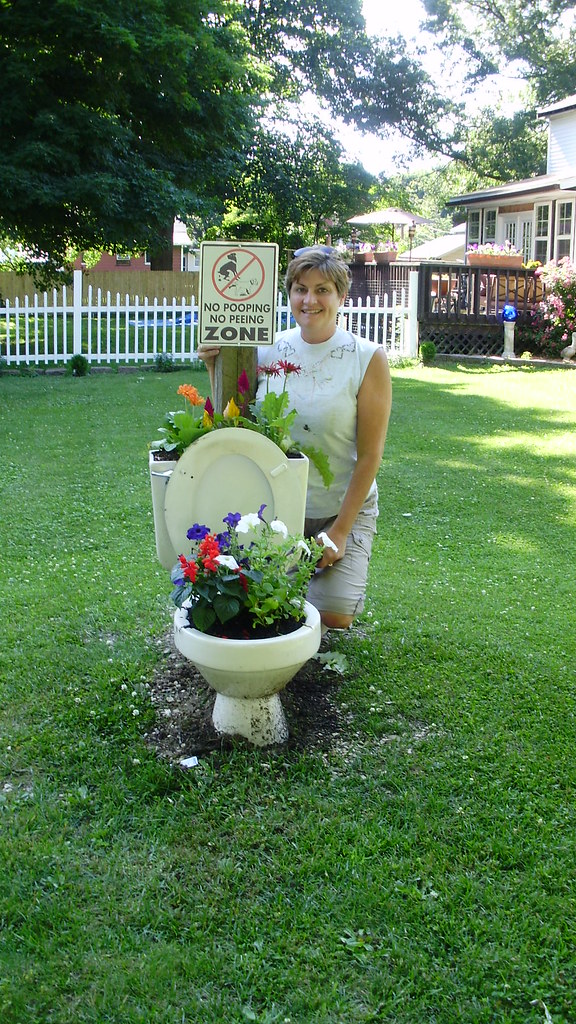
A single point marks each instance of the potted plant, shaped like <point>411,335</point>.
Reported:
<point>492,254</point>
<point>243,620</point>
<point>386,252</point>
<point>365,253</point>
<point>247,582</point>
<point>269,416</point>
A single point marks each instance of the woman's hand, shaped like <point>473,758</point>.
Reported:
<point>208,355</point>
<point>334,547</point>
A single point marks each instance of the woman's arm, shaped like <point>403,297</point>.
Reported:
<point>374,404</point>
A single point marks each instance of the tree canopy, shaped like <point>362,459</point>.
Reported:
<point>122,113</point>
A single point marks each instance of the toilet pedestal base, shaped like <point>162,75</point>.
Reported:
<point>260,720</point>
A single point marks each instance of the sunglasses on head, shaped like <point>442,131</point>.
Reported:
<point>326,249</point>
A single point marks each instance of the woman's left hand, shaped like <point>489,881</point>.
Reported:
<point>334,547</point>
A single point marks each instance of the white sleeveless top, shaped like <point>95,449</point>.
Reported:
<point>325,396</point>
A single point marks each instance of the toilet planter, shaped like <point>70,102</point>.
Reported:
<point>243,619</point>
<point>248,675</point>
<point>204,457</point>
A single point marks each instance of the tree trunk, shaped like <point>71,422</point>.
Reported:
<point>161,258</point>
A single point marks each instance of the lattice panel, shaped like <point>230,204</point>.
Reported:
<point>463,340</point>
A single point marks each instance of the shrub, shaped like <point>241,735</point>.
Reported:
<point>164,363</point>
<point>78,365</point>
<point>427,352</point>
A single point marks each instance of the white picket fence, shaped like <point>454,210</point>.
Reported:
<point>50,328</point>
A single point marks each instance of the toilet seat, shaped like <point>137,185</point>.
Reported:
<point>233,470</point>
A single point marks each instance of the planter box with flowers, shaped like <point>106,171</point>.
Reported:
<point>365,254</point>
<point>196,424</point>
<point>489,254</point>
<point>386,252</point>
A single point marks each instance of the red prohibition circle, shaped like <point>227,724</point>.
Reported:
<point>237,275</point>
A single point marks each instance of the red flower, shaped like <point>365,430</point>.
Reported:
<point>190,569</point>
<point>287,367</point>
<point>243,383</point>
<point>272,370</point>
<point>209,546</point>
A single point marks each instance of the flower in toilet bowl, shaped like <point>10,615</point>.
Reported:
<point>248,581</point>
<point>270,416</point>
<point>181,428</point>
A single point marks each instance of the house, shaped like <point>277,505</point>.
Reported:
<point>185,255</point>
<point>538,215</point>
<point>448,248</point>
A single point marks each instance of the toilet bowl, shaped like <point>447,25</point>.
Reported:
<point>235,470</point>
<point>248,675</point>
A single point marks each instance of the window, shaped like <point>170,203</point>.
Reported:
<point>542,233</point>
<point>123,259</point>
<point>564,231</point>
<point>473,227</point>
<point>489,226</point>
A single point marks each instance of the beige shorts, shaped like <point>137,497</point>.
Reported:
<point>341,588</point>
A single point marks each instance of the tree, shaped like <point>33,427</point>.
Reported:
<point>291,186</point>
<point>537,43</point>
<point>122,114</point>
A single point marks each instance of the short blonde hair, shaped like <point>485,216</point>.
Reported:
<point>327,261</point>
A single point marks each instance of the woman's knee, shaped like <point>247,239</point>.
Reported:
<point>336,620</point>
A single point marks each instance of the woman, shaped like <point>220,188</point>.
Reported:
<point>343,396</point>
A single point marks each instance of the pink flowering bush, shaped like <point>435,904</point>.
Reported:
<point>554,319</point>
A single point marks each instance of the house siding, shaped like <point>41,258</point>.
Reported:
<point>562,143</point>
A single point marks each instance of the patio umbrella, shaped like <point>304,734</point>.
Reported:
<point>391,215</point>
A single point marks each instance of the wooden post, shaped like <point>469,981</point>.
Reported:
<point>227,369</point>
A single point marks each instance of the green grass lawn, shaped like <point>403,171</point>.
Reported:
<point>422,870</point>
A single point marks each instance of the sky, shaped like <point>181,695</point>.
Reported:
<point>392,155</point>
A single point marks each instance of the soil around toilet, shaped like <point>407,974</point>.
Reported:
<point>183,703</point>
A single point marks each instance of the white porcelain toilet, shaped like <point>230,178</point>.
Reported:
<point>235,470</point>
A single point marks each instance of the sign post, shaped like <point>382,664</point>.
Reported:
<point>237,309</point>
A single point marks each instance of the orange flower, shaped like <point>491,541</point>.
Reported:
<point>191,393</point>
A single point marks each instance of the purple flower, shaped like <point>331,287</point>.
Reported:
<point>260,511</point>
<point>232,519</point>
<point>223,540</point>
<point>197,532</point>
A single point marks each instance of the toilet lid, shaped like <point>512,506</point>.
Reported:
<point>229,470</point>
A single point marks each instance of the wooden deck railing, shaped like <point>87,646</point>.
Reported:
<point>453,293</point>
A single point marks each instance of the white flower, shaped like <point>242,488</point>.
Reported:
<point>327,542</point>
<point>301,545</point>
<point>248,522</point>
<point>228,560</point>
<point>279,527</point>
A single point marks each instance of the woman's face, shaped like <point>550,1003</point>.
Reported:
<point>315,303</point>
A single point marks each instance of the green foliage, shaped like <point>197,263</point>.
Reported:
<point>163,363</point>
<point>78,365</point>
<point>121,116</point>
<point>291,184</point>
<point>539,43</point>
<point>427,352</point>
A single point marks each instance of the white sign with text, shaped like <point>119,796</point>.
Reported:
<point>238,284</point>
